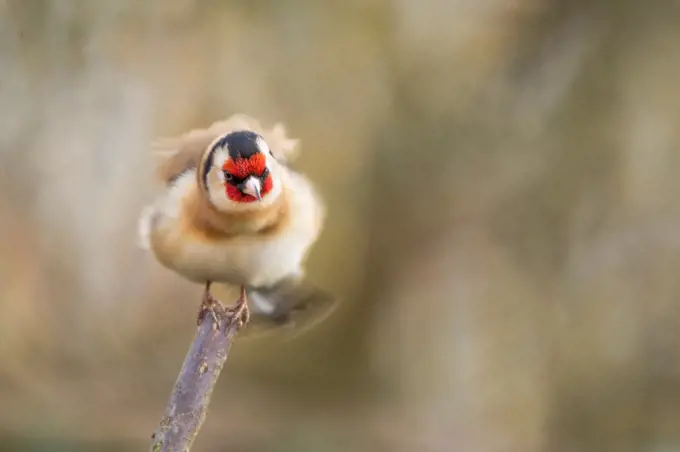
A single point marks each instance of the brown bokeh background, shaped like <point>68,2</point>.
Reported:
<point>502,182</point>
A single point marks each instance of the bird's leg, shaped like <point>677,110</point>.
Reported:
<point>240,310</point>
<point>209,304</point>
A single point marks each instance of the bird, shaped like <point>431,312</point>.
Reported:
<point>232,210</point>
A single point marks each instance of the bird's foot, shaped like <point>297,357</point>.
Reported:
<point>240,312</point>
<point>212,306</point>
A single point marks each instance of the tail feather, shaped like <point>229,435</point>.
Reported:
<point>290,308</point>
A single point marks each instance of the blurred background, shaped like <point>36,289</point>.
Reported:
<point>501,177</point>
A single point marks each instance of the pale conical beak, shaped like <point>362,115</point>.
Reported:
<point>251,187</point>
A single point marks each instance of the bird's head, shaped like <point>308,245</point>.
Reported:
<point>239,172</point>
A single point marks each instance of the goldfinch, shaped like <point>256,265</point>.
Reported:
<point>233,211</point>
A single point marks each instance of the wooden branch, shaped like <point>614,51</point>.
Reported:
<point>191,394</point>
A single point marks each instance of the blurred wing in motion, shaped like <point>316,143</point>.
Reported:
<point>290,309</point>
<point>179,154</point>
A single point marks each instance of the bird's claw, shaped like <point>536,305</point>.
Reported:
<point>211,305</point>
<point>239,312</point>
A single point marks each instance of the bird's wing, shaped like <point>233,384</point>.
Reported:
<point>176,155</point>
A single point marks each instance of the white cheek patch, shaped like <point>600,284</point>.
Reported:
<point>215,179</point>
<point>219,157</point>
<point>263,146</point>
<point>220,176</point>
<point>270,161</point>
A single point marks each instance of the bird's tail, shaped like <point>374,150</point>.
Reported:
<point>290,308</point>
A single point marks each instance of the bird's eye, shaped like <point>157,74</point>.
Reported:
<point>228,177</point>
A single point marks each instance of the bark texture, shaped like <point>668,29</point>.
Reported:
<point>188,404</point>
